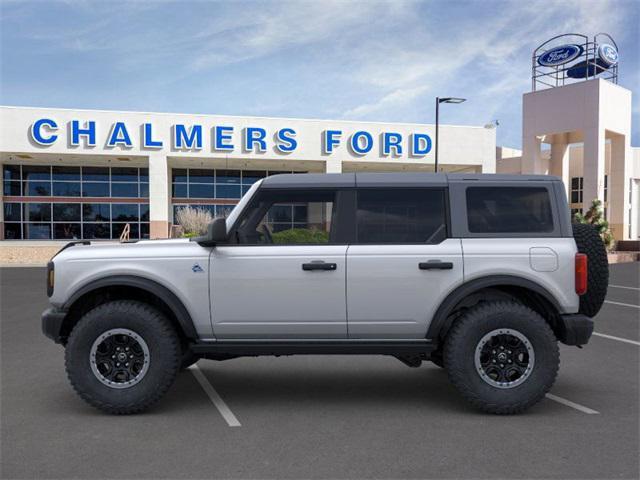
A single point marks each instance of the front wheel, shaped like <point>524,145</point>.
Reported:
<point>122,356</point>
<point>502,356</point>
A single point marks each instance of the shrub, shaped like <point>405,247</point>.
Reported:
<point>194,221</point>
<point>301,235</point>
<point>595,217</point>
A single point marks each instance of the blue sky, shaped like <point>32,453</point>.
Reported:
<point>369,60</point>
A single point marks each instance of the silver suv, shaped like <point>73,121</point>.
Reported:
<point>480,274</point>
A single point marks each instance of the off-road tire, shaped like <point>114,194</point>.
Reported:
<point>164,356</point>
<point>589,242</point>
<point>459,353</point>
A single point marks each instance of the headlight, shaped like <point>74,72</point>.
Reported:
<point>50,279</point>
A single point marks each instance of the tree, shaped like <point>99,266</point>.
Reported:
<point>595,217</point>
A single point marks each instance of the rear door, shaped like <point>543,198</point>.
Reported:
<point>402,263</point>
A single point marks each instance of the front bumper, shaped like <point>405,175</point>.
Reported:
<point>574,329</point>
<point>52,319</point>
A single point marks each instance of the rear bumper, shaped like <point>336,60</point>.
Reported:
<point>52,319</point>
<point>574,329</point>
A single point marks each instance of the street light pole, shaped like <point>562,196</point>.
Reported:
<point>438,102</point>
<point>435,170</point>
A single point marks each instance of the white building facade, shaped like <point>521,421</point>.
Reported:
<point>87,174</point>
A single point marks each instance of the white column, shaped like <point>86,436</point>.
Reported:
<point>159,197</point>
<point>619,186</point>
<point>559,162</point>
<point>593,166</point>
<point>333,166</point>
<point>531,155</point>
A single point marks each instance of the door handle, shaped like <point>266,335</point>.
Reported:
<point>435,265</point>
<point>318,265</point>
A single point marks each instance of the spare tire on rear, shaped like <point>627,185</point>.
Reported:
<point>589,242</point>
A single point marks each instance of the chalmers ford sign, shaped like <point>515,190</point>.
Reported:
<point>45,132</point>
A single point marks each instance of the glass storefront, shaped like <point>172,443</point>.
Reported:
<point>200,186</point>
<point>77,202</point>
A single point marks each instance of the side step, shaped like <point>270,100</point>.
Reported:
<point>309,347</point>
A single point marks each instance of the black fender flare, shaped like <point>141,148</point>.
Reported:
<point>439,323</point>
<point>151,286</point>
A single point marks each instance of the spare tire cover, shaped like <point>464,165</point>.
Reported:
<point>589,242</point>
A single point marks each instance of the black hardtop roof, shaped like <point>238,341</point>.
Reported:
<point>393,179</point>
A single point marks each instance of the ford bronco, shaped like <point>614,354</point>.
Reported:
<point>482,275</point>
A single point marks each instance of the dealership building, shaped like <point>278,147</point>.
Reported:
<point>86,174</point>
<point>90,174</point>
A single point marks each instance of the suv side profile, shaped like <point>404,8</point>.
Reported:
<point>480,274</point>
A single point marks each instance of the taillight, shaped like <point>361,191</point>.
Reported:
<point>581,273</point>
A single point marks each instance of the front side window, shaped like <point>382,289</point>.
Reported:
<point>509,210</point>
<point>289,218</point>
<point>401,216</point>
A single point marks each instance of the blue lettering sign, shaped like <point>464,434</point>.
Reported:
<point>286,140</point>
<point>186,139</point>
<point>391,140</point>
<point>420,144</point>
<point>358,147</point>
<point>331,138</point>
<point>37,134</point>
<point>222,137</point>
<point>255,136</point>
<point>147,137</point>
<point>89,131</point>
<point>119,136</point>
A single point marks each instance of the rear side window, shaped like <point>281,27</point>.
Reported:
<point>401,216</point>
<point>509,210</point>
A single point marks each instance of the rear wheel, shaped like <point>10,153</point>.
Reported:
<point>502,356</point>
<point>122,356</point>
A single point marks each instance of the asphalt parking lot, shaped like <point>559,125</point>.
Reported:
<point>320,417</point>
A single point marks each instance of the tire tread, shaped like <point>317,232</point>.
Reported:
<point>164,329</point>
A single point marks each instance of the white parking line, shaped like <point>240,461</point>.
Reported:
<point>571,404</point>
<point>622,304</point>
<point>619,339</point>
<point>626,288</point>
<point>222,407</point>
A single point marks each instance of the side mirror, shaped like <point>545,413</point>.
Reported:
<point>216,233</point>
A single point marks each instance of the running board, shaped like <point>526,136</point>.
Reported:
<point>310,347</point>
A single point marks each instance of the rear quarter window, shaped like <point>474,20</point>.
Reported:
<point>509,210</point>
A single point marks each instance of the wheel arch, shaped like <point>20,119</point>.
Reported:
<point>474,291</point>
<point>130,287</point>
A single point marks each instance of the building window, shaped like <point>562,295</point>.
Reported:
<point>202,185</point>
<point>606,187</point>
<point>576,189</point>
<point>63,212</point>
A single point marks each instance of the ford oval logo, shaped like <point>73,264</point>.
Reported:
<point>560,55</point>
<point>608,54</point>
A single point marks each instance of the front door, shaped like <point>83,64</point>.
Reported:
<point>402,263</point>
<point>283,275</point>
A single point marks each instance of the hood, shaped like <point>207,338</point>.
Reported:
<point>86,250</point>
